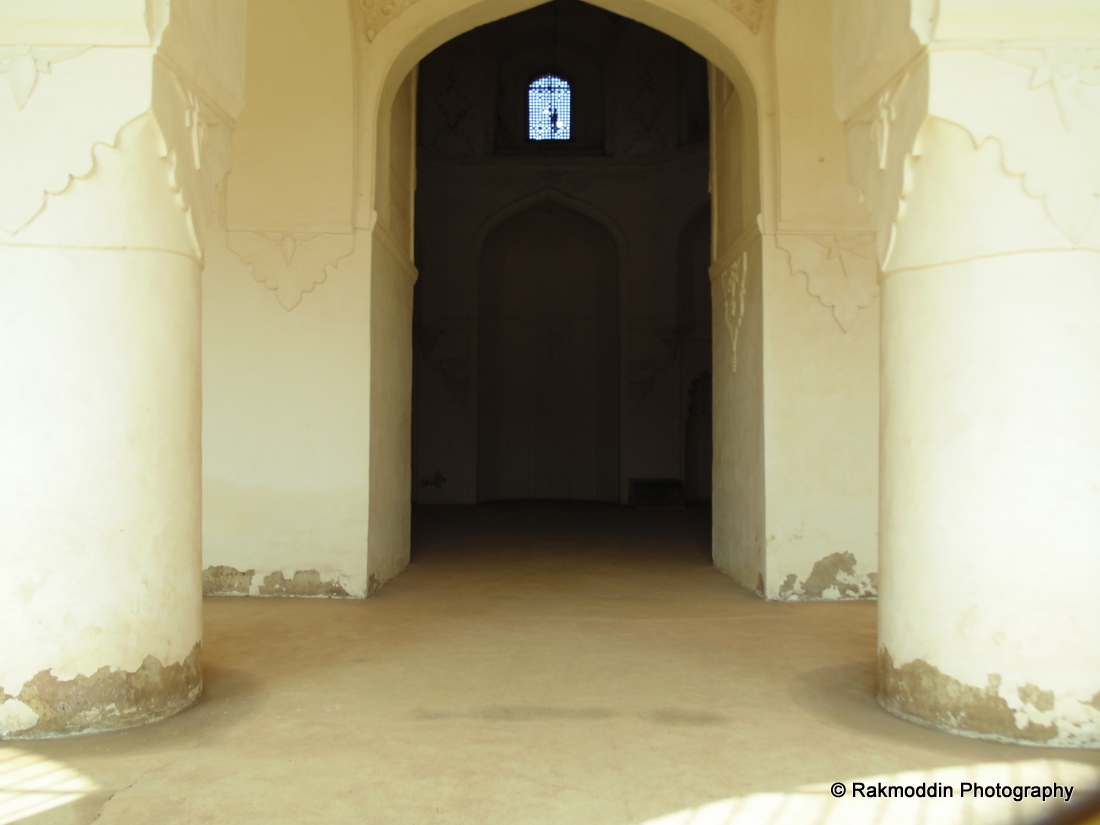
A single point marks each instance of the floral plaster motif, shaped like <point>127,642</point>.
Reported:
<point>841,271</point>
<point>443,345</point>
<point>23,64</point>
<point>1063,70</point>
<point>1055,158</point>
<point>378,13</point>
<point>655,352</point>
<point>749,12</point>
<point>291,263</point>
<point>732,279</point>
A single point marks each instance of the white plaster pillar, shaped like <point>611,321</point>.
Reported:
<point>108,155</point>
<point>981,170</point>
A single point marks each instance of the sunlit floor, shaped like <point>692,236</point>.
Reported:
<point>535,664</point>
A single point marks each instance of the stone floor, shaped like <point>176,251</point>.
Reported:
<point>535,664</point>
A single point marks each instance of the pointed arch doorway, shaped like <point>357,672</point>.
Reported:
<point>443,324</point>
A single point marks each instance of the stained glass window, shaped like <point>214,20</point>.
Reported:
<point>548,108</point>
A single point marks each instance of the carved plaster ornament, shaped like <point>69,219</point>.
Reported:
<point>883,144</point>
<point>644,372</point>
<point>646,106</point>
<point>23,64</point>
<point>40,162</point>
<point>447,355</point>
<point>883,117</point>
<point>453,106</point>
<point>733,281</point>
<point>1055,158</point>
<point>196,146</point>
<point>291,263</point>
<point>1064,70</point>
<point>749,12</point>
<point>841,271</point>
<point>197,123</point>
<point>37,159</point>
<point>643,377</point>
<point>378,13</point>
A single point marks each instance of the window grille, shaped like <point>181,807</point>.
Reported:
<point>548,107</point>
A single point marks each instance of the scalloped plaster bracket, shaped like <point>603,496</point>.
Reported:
<point>1048,134</point>
<point>127,201</point>
<point>841,271</point>
<point>291,263</point>
<point>56,139</point>
<point>1040,105</point>
<point>48,141</point>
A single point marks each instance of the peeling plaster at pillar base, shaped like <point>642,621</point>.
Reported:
<point>832,578</point>
<point>47,707</point>
<point>304,583</point>
<point>1029,715</point>
<point>222,580</point>
<point>219,580</point>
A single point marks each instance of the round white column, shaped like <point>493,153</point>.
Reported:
<point>989,619</point>
<point>100,408</point>
<point>990,508</point>
<point>99,489</point>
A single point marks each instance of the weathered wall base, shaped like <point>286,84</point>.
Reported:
<point>221,580</point>
<point>1022,714</point>
<point>108,700</point>
<point>837,576</point>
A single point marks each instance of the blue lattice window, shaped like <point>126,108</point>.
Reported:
<point>548,108</point>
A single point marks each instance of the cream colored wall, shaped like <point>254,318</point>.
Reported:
<point>796,426</point>
<point>820,338</point>
<point>286,332</point>
<point>295,358</point>
<point>285,439</point>
<point>293,149</point>
<point>821,423</point>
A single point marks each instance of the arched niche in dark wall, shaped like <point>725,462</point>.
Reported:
<point>548,352</point>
